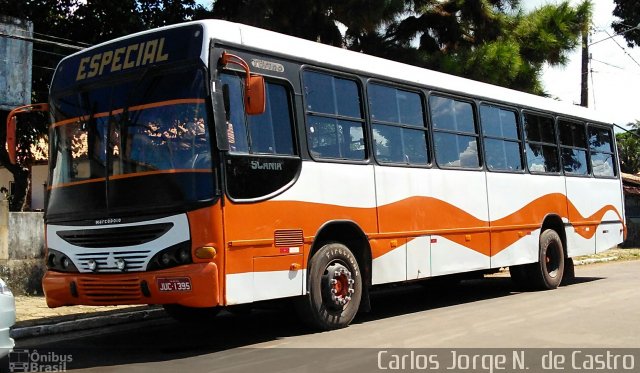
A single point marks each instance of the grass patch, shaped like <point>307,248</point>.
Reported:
<point>617,253</point>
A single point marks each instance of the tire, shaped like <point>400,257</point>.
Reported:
<point>191,315</point>
<point>334,288</point>
<point>519,276</point>
<point>547,273</point>
<point>569,276</point>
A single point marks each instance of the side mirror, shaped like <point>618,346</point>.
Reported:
<point>255,100</point>
<point>12,122</point>
<point>254,86</point>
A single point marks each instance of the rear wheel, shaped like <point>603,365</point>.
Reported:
<point>569,275</point>
<point>547,273</point>
<point>334,288</point>
<point>519,275</point>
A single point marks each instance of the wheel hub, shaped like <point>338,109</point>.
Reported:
<point>552,261</point>
<point>339,282</point>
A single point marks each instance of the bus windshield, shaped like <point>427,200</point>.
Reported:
<point>136,143</point>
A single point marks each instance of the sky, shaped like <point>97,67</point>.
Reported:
<point>614,84</point>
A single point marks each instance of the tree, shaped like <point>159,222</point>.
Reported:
<point>494,40</point>
<point>629,13</point>
<point>629,149</point>
<point>488,40</point>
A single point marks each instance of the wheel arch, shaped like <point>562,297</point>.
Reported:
<point>351,235</point>
<point>553,221</point>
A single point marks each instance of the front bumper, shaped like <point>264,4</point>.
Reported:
<point>66,289</point>
<point>7,319</point>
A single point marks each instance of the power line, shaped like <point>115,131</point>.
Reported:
<point>44,67</point>
<point>632,132</point>
<point>34,40</point>
<point>59,38</point>
<point>623,49</point>
<point>608,64</point>
<point>52,53</point>
<point>72,42</point>
<point>612,36</point>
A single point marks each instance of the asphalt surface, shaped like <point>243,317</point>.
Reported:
<point>601,309</point>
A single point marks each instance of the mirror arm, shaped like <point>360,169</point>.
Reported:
<point>228,58</point>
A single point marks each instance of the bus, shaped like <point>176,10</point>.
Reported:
<point>211,164</point>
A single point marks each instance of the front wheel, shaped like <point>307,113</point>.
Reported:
<point>334,288</point>
<point>547,273</point>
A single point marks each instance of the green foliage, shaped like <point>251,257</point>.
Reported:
<point>629,13</point>
<point>488,40</point>
<point>629,149</point>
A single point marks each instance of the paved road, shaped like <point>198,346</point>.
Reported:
<point>602,309</point>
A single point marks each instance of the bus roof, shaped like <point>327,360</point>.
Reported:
<point>294,47</point>
<point>309,51</point>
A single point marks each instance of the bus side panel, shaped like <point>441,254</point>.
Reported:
<point>595,204</point>
<point>518,205</point>
<point>448,206</point>
<point>389,260</point>
<point>464,242</point>
<point>400,259</point>
<point>583,195</point>
<point>324,192</point>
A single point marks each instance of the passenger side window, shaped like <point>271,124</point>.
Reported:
<point>542,151</point>
<point>454,132</point>
<point>573,147</point>
<point>397,117</point>
<point>602,152</point>
<point>501,138</point>
<point>267,133</point>
<point>335,123</point>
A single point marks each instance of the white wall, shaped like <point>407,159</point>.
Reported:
<point>38,178</point>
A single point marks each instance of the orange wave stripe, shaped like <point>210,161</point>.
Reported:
<point>408,218</point>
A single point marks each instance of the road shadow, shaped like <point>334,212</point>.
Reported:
<point>165,340</point>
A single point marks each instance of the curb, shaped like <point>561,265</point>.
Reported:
<point>595,260</point>
<point>93,322</point>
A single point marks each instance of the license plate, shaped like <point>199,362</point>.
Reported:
<point>174,284</point>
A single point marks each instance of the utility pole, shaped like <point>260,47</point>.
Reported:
<point>584,91</point>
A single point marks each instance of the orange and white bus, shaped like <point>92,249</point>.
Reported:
<point>212,164</point>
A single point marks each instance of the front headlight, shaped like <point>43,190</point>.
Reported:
<point>4,289</point>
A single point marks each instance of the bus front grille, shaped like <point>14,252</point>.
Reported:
<point>105,261</point>
<point>125,291</point>
<point>115,237</point>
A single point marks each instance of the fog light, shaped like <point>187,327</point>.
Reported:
<point>166,259</point>
<point>52,260</point>
<point>184,255</point>
<point>65,262</point>
<point>206,252</point>
<point>120,264</point>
